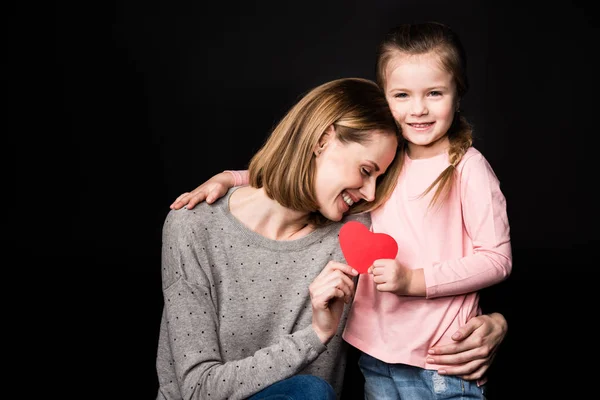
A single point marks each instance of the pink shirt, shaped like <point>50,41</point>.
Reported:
<point>462,247</point>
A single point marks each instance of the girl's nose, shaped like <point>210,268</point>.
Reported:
<point>418,107</point>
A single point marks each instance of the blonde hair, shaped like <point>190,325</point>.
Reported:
<point>285,164</point>
<point>422,38</point>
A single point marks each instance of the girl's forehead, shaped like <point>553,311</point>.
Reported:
<point>430,60</point>
<point>415,71</point>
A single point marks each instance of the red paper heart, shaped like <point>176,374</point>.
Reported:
<point>362,247</point>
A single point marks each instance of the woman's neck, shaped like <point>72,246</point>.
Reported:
<point>253,208</point>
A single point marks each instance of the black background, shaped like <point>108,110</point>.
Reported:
<point>117,108</point>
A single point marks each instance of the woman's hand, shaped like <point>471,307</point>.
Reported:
<point>474,350</point>
<point>211,190</point>
<point>329,292</point>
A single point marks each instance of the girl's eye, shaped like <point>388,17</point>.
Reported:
<point>435,93</point>
<point>365,171</point>
<point>400,95</point>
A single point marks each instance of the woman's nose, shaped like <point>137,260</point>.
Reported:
<point>367,191</point>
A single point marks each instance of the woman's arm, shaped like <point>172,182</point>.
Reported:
<point>212,189</point>
<point>474,349</point>
<point>192,361</point>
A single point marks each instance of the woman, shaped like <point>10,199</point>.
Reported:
<point>238,320</point>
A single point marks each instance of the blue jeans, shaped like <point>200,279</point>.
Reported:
<point>385,381</point>
<point>298,387</point>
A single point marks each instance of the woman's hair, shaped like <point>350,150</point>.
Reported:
<point>422,38</point>
<point>285,165</point>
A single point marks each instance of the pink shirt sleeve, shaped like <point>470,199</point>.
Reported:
<point>486,224</point>
<point>241,177</point>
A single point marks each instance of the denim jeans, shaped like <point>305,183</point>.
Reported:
<point>298,387</point>
<point>385,381</point>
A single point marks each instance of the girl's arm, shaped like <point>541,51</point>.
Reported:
<point>486,222</point>
<point>212,189</point>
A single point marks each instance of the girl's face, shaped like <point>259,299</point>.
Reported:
<point>423,98</point>
<point>347,172</point>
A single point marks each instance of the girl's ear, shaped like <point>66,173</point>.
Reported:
<point>326,136</point>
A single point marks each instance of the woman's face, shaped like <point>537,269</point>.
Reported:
<point>347,172</point>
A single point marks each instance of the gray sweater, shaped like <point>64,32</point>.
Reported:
<point>237,311</point>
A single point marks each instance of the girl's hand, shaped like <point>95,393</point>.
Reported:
<point>211,190</point>
<point>390,276</point>
<point>329,292</point>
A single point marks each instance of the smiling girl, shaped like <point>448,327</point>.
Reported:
<point>447,214</point>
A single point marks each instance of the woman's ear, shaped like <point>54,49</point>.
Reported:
<point>326,136</point>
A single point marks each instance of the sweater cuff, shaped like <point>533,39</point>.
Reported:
<point>309,335</point>
<point>240,177</point>
<point>315,342</point>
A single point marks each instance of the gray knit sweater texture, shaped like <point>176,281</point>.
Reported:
<point>237,311</point>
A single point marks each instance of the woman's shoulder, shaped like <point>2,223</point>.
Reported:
<point>202,216</point>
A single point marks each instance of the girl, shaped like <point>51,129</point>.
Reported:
<point>447,214</point>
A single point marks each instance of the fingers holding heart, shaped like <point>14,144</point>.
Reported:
<point>328,293</point>
<point>379,274</point>
<point>386,275</point>
<point>333,282</point>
